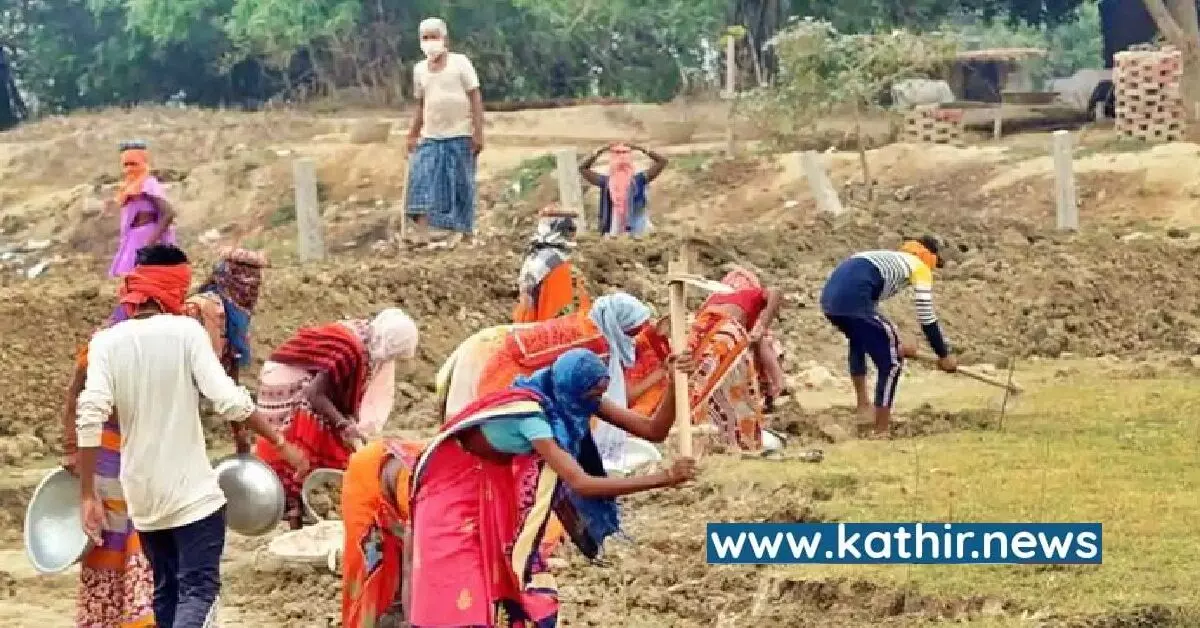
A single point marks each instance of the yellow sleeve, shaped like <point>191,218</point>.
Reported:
<point>921,277</point>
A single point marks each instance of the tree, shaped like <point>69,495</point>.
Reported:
<point>12,108</point>
<point>1177,21</point>
<point>824,72</point>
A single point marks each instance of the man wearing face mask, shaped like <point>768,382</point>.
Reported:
<point>445,139</point>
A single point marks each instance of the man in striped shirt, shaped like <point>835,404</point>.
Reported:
<point>850,301</point>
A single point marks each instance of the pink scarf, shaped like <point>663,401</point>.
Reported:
<point>620,180</point>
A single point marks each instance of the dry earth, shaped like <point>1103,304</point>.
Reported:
<point>1014,289</point>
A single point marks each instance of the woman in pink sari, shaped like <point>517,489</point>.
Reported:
<point>477,498</point>
<point>146,216</point>
<point>623,189</point>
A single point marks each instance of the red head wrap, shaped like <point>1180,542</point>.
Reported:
<point>165,285</point>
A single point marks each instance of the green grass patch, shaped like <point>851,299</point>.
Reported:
<point>1092,449</point>
<point>525,177</point>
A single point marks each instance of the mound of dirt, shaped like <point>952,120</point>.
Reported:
<point>1009,289</point>
<point>298,596</point>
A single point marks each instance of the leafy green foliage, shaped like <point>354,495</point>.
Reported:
<point>823,72</point>
<point>83,53</point>
<point>1071,45</point>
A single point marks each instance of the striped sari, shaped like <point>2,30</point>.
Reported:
<point>116,583</point>
<point>725,393</point>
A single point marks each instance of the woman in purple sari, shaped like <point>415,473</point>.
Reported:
<point>146,216</point>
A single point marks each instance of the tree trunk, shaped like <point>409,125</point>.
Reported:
<point>1177,21</point>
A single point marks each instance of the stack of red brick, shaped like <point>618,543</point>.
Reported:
<point>1147,93</point>
<point>930,124</point>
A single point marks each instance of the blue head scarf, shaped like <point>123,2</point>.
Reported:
<point>616,315</point>
<point>562,388</point>
<point>228,281</point>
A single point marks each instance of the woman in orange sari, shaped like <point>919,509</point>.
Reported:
<point>549,285</point>
<point>447,534</point>
<point>494,358</point>
<point>725,389</point>
<point>755,307</point>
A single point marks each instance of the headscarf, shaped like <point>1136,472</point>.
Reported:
<point>236,278</point>
<point>554,233</point>
<point>741,278</point>
<point>165,285</point>
<point>922,251</point>
<point>135,168</point>
<point>620,181</point>
<point>562,388</point>
<point>617,315</point>
<point>390,335</point>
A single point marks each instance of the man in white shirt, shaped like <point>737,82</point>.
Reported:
<point>445,138</point>
<point>150,369</point>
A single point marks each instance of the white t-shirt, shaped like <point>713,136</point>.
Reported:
<point>148,370</point>
<point>447,111</point>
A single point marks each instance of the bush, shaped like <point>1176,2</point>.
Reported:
<point>823,72</point>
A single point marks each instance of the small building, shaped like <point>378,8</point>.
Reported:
<point>985,75</point>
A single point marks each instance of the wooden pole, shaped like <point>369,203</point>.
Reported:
<point>730,93</point>
<point>819,184</point>
<point>967,371</point>
<point>402,215</point>
<point>1064,182</point>
<point>730,66</point>
<point>310,243</point>
<point>570,186</point>
<point>678,305</point>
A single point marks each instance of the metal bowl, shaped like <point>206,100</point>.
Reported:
<point>316,478</point>
<point>638,453</point>
<point>254,494</point>
<point>54,536</point>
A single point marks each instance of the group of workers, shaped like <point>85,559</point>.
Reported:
<point>536,415</point>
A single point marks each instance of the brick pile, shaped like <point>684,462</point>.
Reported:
<point>1147,94</point>
<point>930,124</point>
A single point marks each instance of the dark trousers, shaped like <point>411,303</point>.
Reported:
<point>877,337</point>
<point>187,571</point>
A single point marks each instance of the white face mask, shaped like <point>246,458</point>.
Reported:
<point>433,47</point>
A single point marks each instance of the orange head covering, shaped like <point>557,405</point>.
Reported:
<point>926,251</point>
<point>165,285</point>
<point>620,180</point>
<point>135,166</point>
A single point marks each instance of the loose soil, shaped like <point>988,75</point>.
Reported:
<point>1013,288</point>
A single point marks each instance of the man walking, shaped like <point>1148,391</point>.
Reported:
<point>147,370</point>
<point>445,138</point>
